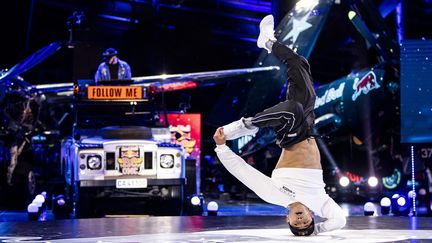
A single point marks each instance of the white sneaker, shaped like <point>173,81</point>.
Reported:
<point>238,129</point>
<point>266,32</point>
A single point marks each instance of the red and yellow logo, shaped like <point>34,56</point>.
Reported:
<point>129,160</point>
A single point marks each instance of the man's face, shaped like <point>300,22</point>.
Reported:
<point>299,216</point>
<point>112,60</point>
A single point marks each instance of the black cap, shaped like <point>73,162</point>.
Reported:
<point>110,52</point>
<point>303,232</point>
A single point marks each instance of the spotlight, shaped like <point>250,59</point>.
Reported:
<point>59,207</point>
<point>372,181</point>
<point>411,194</point>
<point>33,211</point>
<point>401,201</point>
<point>195,200</point>
<point>195,205</point>
<point>369,209</point>
<point>394,205</point>
<point>344,181</point>
<point>212,208</point>
<point>400,205</point>
<point>422,192</point>
<point>39,200</point>
<point>385,204</point>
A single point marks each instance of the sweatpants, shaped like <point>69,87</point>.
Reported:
<point>293,119</point>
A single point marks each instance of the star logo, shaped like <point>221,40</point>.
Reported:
<point>299,25</point>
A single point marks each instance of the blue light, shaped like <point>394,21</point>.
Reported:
<point>413,180</point>
<point>399,21</point>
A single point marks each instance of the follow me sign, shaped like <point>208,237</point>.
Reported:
<point>114,92</point>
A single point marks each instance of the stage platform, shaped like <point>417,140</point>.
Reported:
<point>242,221</point>
<point>212,229</point>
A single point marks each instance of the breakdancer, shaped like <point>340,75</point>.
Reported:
<point>297,180</point>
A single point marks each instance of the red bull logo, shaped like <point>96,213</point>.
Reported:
<point>129,160</point>
<point>365,84</point>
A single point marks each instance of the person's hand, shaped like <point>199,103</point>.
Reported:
<point>219,136</point>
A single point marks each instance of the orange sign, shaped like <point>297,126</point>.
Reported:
<point>114,93</point>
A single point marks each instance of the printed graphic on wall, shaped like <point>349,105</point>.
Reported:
<point>186,131</point>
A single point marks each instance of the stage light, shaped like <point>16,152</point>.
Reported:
<point>33,211</point>
<point>344,181</point>
<point>411,194</point>
<point>372,181</point>
<point>351,14</point>
<point>39,200</point>
<point>369,209</point>
<point>212,208</point>
<point>59,207</point>
<point>195,200</point>
<point>306,5</point>
<point>422,192</point>
<point>400,205</point>
<point>394,205</point>
<point>401,201</point>
<point>195,205</point>
<point>385,204</point>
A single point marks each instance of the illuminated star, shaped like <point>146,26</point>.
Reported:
<point>299,25</point>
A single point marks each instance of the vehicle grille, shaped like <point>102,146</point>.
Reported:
<point>148,160</point>
<point>130,160</point>
<point>110,161</point>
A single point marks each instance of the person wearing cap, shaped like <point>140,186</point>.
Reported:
<point>112,68</point>
<point>297,180</point>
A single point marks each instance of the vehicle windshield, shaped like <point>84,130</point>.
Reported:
<point>94,115</point>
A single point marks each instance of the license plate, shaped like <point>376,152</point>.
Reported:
<point>131,183</point>
<point>114,92</point>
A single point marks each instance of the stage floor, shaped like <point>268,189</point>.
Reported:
<point>212,229</point>
<point>237,221</point>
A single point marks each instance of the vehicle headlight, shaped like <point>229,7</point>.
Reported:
<point>167,161</point>
<point>94,162</point>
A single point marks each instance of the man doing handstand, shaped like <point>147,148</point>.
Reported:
<point>297,180</point>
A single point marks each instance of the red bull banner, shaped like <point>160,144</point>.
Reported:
<point>186,131</point>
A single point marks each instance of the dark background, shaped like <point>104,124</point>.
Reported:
<point>167,36</point>
<point>179,36</point>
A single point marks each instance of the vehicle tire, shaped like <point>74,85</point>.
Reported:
<point>127,132</point>
<point>176,201</point>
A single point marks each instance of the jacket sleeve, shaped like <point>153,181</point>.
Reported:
<point>128,71</point>
<point>259,183</point>
<point>335,218</point>
<point>98,74</point>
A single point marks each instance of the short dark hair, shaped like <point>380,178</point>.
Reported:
<point>303,232</point>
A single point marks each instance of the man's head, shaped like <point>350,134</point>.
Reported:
<point>110,56</point>
<point>300,219</point>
